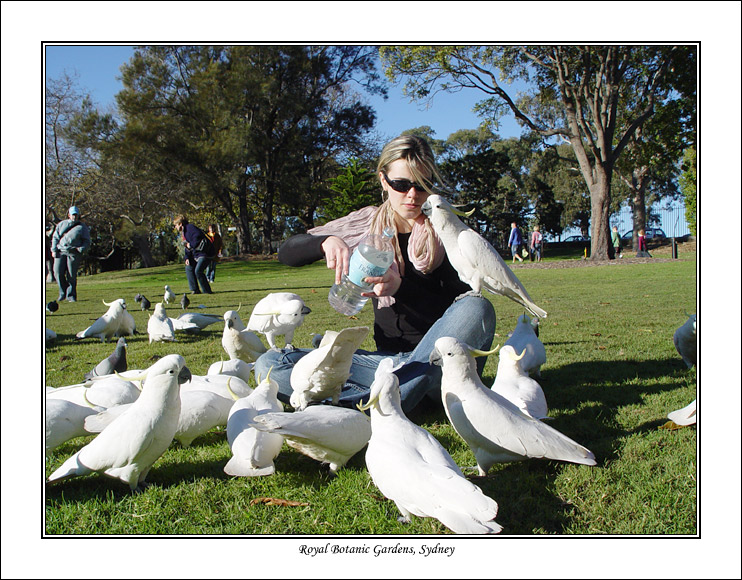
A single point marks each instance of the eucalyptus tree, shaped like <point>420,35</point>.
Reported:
<point>593,97</point>
<point>239,127</point>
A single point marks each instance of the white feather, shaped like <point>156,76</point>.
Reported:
<point>410,467</point>
<point>278,314</point>
<point>476,261</point>
<point>321,373</point>
<point>493,427</point>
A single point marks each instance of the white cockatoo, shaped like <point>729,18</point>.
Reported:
<point>104,391</point>
<point>128,326</point>
<point>493,427</point>
<point>524,340</point>
<point>183,326</point>
<point>131,444</point>
<point>411,468</point>
<point>321,373</point>
<point>114,363</point>
<point>279,313</point>
<point>253,451</point>
<point>474,258</point>
<point>65,420</point>
<point>325,433</point>
<point>107,326</point>
<point>513,383</point>
<point>200,412</point>
<point>685,341</point>
<point>159,326</point>
<point>681,417</point>
<point>233,367</point>
<point>237,341</point>
<point>222,385</point>
<point>195,321</point>
<point>169,295</point>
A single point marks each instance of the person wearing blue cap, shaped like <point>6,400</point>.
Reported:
<point>70,241</point>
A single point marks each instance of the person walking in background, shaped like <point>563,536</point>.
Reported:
<point>70,241</point>
<point>216,241</point>
<point>616,240</point>
<point>641,243</point>
<point>536,241</point>
<point>198,254</point>
<point>515,242</point>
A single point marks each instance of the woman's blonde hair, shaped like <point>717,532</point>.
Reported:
<point>421,161</point>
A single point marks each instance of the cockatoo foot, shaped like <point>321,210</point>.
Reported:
<point>403,520</point>
<point>469,293</point>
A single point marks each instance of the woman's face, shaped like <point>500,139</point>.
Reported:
<point>406,204</point>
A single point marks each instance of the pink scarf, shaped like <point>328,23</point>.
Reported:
<point>353,227</point>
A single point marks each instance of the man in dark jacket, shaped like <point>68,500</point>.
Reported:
<point>198,254</point>
<point>70,240</point>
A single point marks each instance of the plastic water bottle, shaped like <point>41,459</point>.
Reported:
<point>372,257</point>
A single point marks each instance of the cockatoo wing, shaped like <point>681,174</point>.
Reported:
<point>200,411</point>
<point>484,268</point>
<point>65,421</point>
<point>685,416</point>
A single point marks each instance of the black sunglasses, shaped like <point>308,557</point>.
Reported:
<point>402,185</point>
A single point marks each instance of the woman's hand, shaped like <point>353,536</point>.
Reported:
<point>337,254</point>
<point>386,285</point>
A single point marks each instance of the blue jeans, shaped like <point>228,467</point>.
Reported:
<point>65,270</point>
<point>211,270</point>
<point>470,319</point>
<point>198,273</point>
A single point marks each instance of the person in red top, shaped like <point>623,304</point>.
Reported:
<point>216,241</point>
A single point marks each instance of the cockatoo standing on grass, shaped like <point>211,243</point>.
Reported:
<point>169,295</point>
<point>159,326</point>
<point>476,261</point>
<point>524,340</point>
<point>107,325</point>
<point>253,451</point>
<point>280,313</point>
<point>493,427</point>
<point>513,383</point>
<point>237,341</point>
<point>685,341</point>
<point>321,373</point>
<point>131,444</point>
<point>325,433</point>
<point>410,466</point>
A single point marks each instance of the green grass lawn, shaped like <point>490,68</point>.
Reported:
<point>611,377</point>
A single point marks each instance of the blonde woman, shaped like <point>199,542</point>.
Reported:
<point>415,302</point>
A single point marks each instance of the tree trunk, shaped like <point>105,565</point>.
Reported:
<point>600,203</point>
<point>141,243</point>
<point>267,220</point>
<point>638,214</point>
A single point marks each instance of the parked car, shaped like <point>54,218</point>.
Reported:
<point>649,233</point>
<point>577,239</point>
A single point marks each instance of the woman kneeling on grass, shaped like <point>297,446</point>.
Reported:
<point>414,302</point>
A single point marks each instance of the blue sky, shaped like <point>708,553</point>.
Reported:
<point>98,70</point>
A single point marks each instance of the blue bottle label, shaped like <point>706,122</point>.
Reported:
<point>360,267</point>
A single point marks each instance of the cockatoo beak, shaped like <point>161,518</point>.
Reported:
<point>477,352</point>
<point>184,376</point>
